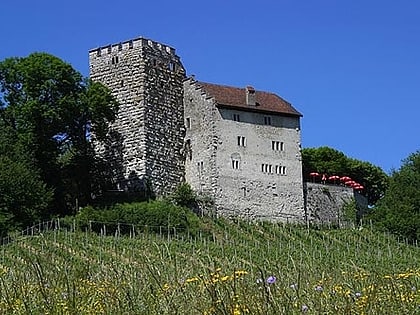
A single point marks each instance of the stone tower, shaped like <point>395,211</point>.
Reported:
<point>146,141</point>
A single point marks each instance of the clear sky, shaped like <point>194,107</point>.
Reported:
<point>351,67</point>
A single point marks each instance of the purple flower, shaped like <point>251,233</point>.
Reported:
<point>304,308</point>
<point>271,279</point>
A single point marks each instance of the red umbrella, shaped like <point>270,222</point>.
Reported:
<point>313,175</point>
<point>334,178</point>
<point>345,179</point>
<point>349,183</point>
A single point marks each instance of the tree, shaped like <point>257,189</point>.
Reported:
<point>325,160</point>
<point>55,110</point>
<point>399,210</point>
<point>23,196</point>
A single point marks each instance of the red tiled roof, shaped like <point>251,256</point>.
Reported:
<point>233,97</point>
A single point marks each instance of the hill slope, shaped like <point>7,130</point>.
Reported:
<point>236,269</point>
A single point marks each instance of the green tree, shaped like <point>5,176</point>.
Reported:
<point>399,210</point>
<point>55,110</point>
<point>23,196</point>
<point>325,160</point>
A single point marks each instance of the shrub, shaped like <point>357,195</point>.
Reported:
<point>155,215</point>
<point>184,195</point>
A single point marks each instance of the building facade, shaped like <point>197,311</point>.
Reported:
<point>239,146</point>
<point>243,150</point>
<point>145,147</point>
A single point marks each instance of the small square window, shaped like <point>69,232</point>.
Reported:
<point>241,141</point>
<point>235,164</point>
<point>277,145</point>
<point>200,167</point>
<point>267,120</point>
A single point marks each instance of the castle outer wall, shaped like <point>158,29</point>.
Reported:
<point>145,147</point>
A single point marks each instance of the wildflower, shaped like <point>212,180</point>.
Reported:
<point>271,280</point>
<point>319,288</point>
<point>358,294</point>
<point>304,308</point>
<point>191,280</point>
<point>240,273</point>
<point>259,281</point>
<point>294,286</point>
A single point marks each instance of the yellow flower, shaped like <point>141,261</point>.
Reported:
<point>192,280</point>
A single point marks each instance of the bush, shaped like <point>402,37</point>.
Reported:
<point>184,195</point>
<point>155,215</point>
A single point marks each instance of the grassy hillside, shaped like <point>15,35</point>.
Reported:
<point>234,269</point>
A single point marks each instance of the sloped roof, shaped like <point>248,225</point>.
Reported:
<point>235,98</point>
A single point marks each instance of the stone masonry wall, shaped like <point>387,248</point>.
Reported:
<point>200,140</point>
<point>145,143</point>
<point>243,189</point>
<point>268,183</point>
<point>324,203</point>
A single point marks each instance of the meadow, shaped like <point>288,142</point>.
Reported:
<point>228,268</point>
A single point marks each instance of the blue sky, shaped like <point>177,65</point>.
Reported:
<point>351,67</point>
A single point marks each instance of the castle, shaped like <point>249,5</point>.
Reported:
<point>238,146</point>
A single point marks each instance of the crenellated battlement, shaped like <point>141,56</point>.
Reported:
<point>130,44</point>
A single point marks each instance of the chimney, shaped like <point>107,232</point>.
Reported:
<point>250,96</point>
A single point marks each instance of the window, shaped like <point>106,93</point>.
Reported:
<point>200,168</point>
<point>114,60</point>
<point>241,141</point>
<point>119,46</point>
<point>171,66</point>
<point>188,122</point>
<point>277,145</point>
<point>283,170</point>
<point>280,170</point>
<point>235,164</point>
<point>236,117</point>
<point>188,149</point>
<point>267,168</point>
<point>267,120</point>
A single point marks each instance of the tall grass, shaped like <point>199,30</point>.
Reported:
<point>233,268</point>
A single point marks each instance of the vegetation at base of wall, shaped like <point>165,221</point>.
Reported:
<point>349,211</point>
<point>153,215</point>
<point>184,195</point>
<point>243,268</point>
